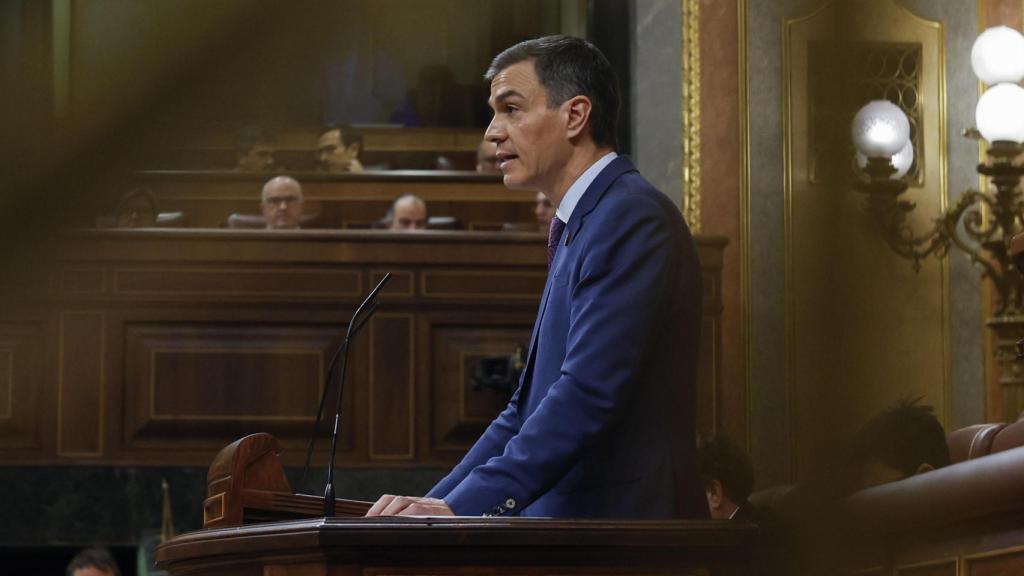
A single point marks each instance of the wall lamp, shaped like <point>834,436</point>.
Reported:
<point>980,224</point>
<point>881,134</point>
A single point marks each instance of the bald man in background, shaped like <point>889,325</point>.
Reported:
<point>282,203</point>
<point>408,212</point>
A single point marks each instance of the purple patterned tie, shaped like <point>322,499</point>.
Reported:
<point>554,235</point>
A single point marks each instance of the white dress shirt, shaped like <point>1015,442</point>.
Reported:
<point>575,192</point>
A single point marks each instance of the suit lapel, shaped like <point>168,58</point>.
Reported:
<point>595,192</point>
<point>619,166</point>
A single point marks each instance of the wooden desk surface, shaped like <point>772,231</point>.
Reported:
<point>464,546</point>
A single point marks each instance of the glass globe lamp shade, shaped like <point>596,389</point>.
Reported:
<point>998,56</point>
<point>1000,114</point>
<point>902,161</point>
<point>880,129</point>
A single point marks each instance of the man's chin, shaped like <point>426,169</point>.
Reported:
<point>514,183</point>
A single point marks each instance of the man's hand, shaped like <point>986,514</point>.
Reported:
<point>389,505</point>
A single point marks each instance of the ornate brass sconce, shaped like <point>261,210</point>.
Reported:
<point>980,224</point>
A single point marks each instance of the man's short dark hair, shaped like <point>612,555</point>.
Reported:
<point>349,135</point>
<point>568,67</point>
<point>135,194</point>
<point>98,558</point>
<point>250,136</point>
<point>903,437</point>
<point>720,458</point>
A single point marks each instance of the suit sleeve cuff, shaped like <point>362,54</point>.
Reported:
<point>472,499</point>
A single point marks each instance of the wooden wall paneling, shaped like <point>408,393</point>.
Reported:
<point>401,286</point>
<point>392,386</point>
<point>712,407</point>
<point>80,401</point>
<point>149,349</point>
<point>206,382</point>
<point>21,386</point>
<point>708,399</point>
<point>525,285</point>
<point>1002,562</point>
<point>115,392</point>
<point>945,567</point>
<point>83,281</point>
<point>461,411</point>
<point>237,281</point>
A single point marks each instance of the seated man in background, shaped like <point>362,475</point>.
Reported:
<point>93,562</point>
<point>903,441</point>
<point>337,150</point>
<point>543,211</point>
<point>282,203</point>
<point>408,212</point>
<point>136,209</point>
<point>487,158</point>
<point>254,151</point>
<point>728,477</point>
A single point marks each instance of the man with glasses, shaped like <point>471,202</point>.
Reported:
<point>282,203</point>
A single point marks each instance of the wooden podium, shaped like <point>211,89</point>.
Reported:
<point>248,494</point>
<point>462,547</point>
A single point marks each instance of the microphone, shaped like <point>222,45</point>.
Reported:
<point>359,319</point>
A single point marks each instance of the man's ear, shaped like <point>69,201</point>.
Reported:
<point>924,467</point>
<point>578,115</point>
<point>353,148</point>
<point>714,491</point>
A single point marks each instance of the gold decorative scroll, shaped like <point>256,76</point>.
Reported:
<point>691,114</point>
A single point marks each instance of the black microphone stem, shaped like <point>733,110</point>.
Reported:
<point>320,412</point>
<point>354,326</point>
<point>329,489</point>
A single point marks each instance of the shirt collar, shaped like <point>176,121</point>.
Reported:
<point>575,192</point>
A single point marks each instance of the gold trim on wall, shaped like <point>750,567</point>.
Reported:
<point>744,231</point>
<point>787,207</point>
<point>691,114</point>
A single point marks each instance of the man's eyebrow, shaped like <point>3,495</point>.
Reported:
<point>506,95</point>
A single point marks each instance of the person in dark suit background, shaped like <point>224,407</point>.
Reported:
<point>254,150</point>
<point>602,423</point>
<point>904,440</point>
<point>728,477</point>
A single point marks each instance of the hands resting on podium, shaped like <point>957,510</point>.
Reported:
<point>390,505</point>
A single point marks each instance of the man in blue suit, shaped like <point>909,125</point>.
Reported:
<point>602,422</point>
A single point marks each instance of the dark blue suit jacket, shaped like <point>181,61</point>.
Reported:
<point>602,422</point>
